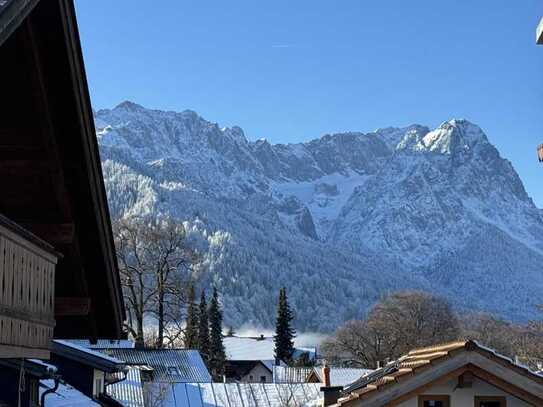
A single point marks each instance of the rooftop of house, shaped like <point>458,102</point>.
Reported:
<point>171,365</point>
<point>95,359</point>
<point>220,394</point>
<point>419,361</point>
<point>129,392</point>
<point>342,376</point>
<point>239,368</point>
<point>64,396</point>
<point>104,343</point>
<point>48,128</point>
<point>257,348</point>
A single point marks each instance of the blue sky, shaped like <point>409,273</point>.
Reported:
<point>293,70</point>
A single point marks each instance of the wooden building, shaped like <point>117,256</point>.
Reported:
<point>58,271</point>
<point>456,374</point>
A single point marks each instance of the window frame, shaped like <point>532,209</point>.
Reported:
<point>437,397</point>
<point>501,399</point>
<point>173,371</point>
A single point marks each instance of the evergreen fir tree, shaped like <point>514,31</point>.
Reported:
<point>203,329</point>
<point>217,355</point>
<point>284,333</point>
<point>191,326</point>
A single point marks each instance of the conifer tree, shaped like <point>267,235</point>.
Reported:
<point>284,333</point>
<point>203,328</point>
<point>191,325</point>
<point>217,355</point>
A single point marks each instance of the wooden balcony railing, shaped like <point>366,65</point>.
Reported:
<point>27,292</point>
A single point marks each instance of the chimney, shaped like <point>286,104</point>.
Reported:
<point>326,375</point>
<point>331,393</point>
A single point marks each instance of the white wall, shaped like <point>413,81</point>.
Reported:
<point>100,378</point>
<point>465,397</point>
<point>256,372</point>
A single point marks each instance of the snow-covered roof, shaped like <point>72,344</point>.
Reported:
<point>103,343</point>
<point>256,348</point>
<point>231,394</point>
<point>87,351</point>
<point>50,368</point>
<point>340,376</point>
<point>176,365</point>
<point>65,396</point>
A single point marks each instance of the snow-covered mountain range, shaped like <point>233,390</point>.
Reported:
<point>339,220</point>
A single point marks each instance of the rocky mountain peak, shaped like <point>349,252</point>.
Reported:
<point>357,213</point>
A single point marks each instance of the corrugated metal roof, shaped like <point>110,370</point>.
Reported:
<point>232,394</point>
<point>291,374</point>
<point>340,376</point>
<point>88,351</point>
<point>103,343</point>
<point>175,365</point>
<point>129,391</point>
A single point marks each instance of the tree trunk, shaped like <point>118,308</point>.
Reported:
<point>160,336</point>
<point>139,342</point>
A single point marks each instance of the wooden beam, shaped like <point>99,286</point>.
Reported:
<point>72,306</point>
<point>465,381</point>
<point>506,386</point>
<point>20,352</point>
<point>54,234</point>
<point>19,152</point>
<point>47,122</point>
<point>426,386</point>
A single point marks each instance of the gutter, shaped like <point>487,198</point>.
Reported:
<point>49,391</point>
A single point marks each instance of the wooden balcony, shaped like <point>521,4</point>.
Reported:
<point>27,292</point>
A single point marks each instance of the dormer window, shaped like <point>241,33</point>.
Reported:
<point>173,370</point>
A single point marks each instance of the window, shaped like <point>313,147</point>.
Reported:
<point>251,377</point>
<point>434,401</point>
<point>263,379</point>
<point>490,401</point>
<point>173,370</point>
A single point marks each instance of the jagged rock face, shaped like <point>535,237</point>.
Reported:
<point>347,215</point>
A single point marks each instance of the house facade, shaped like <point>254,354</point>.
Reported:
<point>248,371</point>
<point>58,271</point>
<point>461,373</point>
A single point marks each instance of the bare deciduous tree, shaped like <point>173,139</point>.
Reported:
<point>522,341</point>
<point>398,323</point>
<point>153,263</point>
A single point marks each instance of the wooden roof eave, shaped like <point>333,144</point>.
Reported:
<point>12,15</point>
<point>93,165</point>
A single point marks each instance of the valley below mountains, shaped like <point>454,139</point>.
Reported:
<point>339,220</point>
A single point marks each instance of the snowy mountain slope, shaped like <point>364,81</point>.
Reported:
<point>357,214</point>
